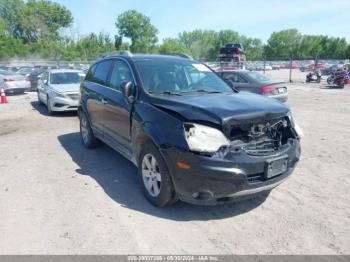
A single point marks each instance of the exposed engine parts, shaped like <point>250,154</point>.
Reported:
<point>259,139</point>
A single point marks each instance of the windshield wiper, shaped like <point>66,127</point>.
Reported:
<point>203,91</point>
<point>165,93</point>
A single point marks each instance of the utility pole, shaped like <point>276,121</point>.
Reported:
<point>290,70</point>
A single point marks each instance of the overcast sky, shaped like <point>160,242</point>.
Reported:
<point>254,18</point>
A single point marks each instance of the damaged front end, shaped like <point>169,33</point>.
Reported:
<point>264,138</point>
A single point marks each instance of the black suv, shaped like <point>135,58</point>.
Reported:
<point>191,136</point>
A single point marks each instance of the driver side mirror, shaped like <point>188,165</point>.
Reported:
<point>45,81</point>
<point>128,90</point>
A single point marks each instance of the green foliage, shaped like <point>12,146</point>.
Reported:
<point>32,29</point>
<point>171,45</point>
<point>34,19</point>
<point>283,44</point>
<point>138,28</point>
<point>290,43</point>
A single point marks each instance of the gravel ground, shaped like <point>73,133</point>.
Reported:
<point>58,198</point>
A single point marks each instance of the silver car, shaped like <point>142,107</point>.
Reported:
<point>58,89</point>
<point>13,83</point>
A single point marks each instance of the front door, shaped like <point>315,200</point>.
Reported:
<point>116,114</point>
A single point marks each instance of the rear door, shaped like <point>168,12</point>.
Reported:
<point>93,92</point>
<point>117,110</point>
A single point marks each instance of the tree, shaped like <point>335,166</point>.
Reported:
<point>172,45</point>
<point>200,44</point>
<point>283,44</point>
<point>138,28</point>
<point>253,47</point>
<point>34,19</point>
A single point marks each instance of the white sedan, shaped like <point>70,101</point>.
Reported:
<point>13,83</point>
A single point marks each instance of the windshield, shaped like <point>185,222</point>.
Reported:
<point>3,72</point>
<point>258,77</point>
<point>170,76</point>
<point>25,71</point>
<point>65,78</point>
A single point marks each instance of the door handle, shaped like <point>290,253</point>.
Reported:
<point>104,101</point>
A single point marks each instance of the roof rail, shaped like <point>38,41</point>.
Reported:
<point>183,55</point>
<point>123,53</point>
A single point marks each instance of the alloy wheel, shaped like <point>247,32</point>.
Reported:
<point>151,175</point>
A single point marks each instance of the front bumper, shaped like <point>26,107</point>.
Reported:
<point>214,180</point>
<point>60,104</point>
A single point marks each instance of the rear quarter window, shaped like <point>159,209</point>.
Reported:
<point>100,74</point>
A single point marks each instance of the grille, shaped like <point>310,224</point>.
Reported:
<point>255,178</point>
<point>260,148</point>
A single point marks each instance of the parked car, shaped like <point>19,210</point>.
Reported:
<point>25,71</point>
<point>312,67</point>
<point>13,83</point>
<point>58,89</point>
<point>257,83</point>
<point>191,136</point>
<point>34,78</point>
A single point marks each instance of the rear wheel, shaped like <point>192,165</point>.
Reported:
<point>330,80</point>
<point>86,134</point>
<point>155,177</point>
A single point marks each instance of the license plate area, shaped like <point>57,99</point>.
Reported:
<point>275,167</point>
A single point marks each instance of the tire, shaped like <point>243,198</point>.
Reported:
<point>86,134</point>
<point>39,99</point>
<point>155,177</point>
<point>330,80</point>
<point>48,106</point>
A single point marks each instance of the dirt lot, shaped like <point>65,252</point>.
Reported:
<point>58,198</point>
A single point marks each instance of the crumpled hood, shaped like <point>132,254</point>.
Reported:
<point>222,108</point>
<point>66,88</point>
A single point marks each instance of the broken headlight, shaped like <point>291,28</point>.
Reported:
<point>202,138</point>
<point>295,126</point>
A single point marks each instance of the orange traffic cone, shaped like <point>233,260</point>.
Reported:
<point>3,96</point>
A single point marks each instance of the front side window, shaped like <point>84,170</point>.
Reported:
<point>234,78</point>
<point>120,74</point>
<point>65,78</point>
<point>170,76</point>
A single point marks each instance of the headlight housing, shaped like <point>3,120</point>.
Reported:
<point>296,127</point>
<point>57,94</point>
<point>201,138</point>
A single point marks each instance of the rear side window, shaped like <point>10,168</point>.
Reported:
<point>120,74</point>
<point>101,72</point>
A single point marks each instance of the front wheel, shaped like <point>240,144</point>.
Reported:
<point>39,99</point>
<point>49,108</point>
<point>155,178</point>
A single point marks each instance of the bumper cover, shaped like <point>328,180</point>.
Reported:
<point>59,104</point>
<point>213,180</point>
